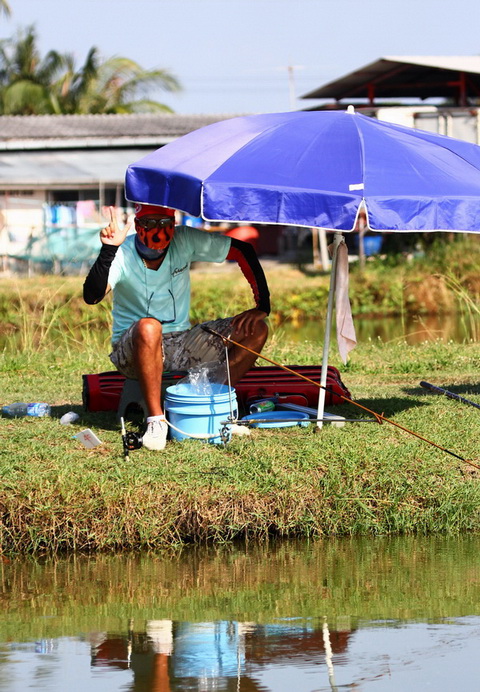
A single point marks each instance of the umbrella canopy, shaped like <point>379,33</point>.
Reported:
<point>315,169</point>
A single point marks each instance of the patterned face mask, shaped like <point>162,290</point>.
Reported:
<point>155,234</point>
<point>145,252</point>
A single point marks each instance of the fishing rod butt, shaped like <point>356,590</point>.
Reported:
<point>209,330</point>
<point>427,385</point>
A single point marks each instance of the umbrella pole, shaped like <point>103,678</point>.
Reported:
<point>337,239</point>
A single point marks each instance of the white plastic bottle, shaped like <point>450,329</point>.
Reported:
<point>18,409</point>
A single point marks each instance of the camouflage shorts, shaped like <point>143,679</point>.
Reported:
<point>181,350</point>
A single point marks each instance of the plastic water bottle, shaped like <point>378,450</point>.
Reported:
<point>19,409</point>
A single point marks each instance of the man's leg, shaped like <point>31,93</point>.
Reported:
<point>241,360</point>
<point>139,354</point>
<point>148,359</point>
<point>191,348</point>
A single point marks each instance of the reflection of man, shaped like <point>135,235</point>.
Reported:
<point>160,635</point>
<point>147,655</point>
<point>211,655</point>
<point>149,274</point>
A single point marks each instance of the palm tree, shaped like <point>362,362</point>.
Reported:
<point>30,84</point>
<point>116,85</point>
<point>5,8</point>
<point>25,77</point>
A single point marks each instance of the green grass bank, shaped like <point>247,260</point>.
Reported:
<point>362,479</point>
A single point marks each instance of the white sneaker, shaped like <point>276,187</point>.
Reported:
<point>155,436</point>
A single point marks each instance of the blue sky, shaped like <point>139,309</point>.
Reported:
<point>232,56</point>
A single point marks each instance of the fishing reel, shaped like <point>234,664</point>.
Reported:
<point>225,433</point>
<point>132,440</point>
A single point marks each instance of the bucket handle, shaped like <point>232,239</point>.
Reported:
<point>196,436</point>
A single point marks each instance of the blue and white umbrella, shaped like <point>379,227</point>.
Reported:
<point>315,169</point>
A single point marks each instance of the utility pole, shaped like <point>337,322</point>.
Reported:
<point>291,87</point>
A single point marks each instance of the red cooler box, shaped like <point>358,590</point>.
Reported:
<point>102,392</point>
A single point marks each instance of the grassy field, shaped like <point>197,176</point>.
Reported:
<point>362,479</point>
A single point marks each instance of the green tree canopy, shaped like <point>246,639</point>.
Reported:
<point>31,84</point>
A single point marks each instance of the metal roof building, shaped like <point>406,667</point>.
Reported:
<point>54,152</point>
<point>456,78</point>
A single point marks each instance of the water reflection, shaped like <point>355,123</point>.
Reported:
<point>340,614</point>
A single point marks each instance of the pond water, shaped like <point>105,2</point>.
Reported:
<point>414,330</point>
<point>363,614</point>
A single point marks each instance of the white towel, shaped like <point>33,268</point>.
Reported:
<point>346,338</point>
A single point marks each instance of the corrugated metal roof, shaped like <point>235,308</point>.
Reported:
<point>465,63</point>
<point>66,131</point>
<point>65,169</point>
<point>427,76</point>
<point>62,151</point>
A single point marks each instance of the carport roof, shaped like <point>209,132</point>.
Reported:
<point>411,76</point>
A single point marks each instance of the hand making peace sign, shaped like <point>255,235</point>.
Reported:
<point>112,234</point>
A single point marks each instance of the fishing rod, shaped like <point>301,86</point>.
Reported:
<point>380,418</point>
<point>450,395</point>
<point>301,421</point>
<point>126,447</point>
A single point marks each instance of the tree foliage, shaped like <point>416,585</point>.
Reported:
<point>5,8</point>
<point>32,84</point>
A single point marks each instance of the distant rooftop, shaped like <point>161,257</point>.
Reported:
<point>69,131</point>
<point>453,77</point>
<point>62,151</point>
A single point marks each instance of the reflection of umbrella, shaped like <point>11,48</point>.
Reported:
<point>316,169</point>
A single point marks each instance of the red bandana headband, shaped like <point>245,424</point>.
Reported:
<point>147,209</point>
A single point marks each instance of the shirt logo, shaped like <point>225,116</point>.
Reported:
<point>179,270</point>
